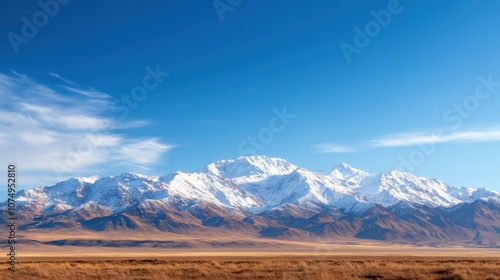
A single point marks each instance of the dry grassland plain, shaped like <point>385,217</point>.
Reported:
<point>246,267</point>
<point>285,261</point>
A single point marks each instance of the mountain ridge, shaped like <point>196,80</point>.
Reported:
<point>269,197</point>
<point>256,174</point>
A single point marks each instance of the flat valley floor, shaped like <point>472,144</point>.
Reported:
<point>357,261</point>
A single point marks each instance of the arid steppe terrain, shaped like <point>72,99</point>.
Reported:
<point>284,260</point>
<point>263,267</point>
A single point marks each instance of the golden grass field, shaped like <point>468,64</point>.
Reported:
<point>263,267</point>
<point>264,259</point>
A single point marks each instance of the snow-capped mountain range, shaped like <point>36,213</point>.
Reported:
<point>257,184</point>
<point>266,197</point>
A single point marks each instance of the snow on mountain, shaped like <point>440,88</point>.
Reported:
<point>210,187</point>
<point>250,169</point>
<point>344,172</point>
<point>390,188</point>
<point>256,184</point>
<point>466,194</point>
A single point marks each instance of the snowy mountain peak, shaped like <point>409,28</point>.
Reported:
<point>343,171</point>
<point>251,166</point>
<point>127,176</point>
<point>344,165</point>
<point>89,180</point>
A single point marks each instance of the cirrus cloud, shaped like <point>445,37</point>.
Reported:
<point>334,148</point>
<point>478,134</point>
<point>62,130</point>
<point>484,133</point>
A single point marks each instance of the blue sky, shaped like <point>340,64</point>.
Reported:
<point>97,87</point>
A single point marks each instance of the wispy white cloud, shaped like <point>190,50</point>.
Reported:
<point>131,124</point>
<point>67,130</point>
<point>334,148</point>
<point>69,82</point>
<point>142,151</point>
<point>479,134</point>
<point>88,92</point>
<point>489,133</point>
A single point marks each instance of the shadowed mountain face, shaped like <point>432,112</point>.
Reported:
<point>272,198</point>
